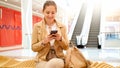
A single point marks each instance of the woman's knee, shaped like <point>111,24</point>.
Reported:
<point>56,63</point>
<point>41,64</point>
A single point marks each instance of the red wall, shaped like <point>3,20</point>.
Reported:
<point>11,27</point>
<point>36,19</point>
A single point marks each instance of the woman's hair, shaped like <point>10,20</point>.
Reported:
<point>49,3</point>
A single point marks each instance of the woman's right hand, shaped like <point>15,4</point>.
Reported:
<point>48,39</point>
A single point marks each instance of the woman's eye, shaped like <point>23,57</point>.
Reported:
<point>48,12</point>
<point>53,13</point>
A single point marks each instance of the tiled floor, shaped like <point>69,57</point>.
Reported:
<point>111,56</point>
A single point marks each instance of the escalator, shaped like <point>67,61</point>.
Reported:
<point>79,24</point>
<point>95,27</point>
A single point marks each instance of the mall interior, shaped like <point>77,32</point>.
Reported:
<point>93,26</point>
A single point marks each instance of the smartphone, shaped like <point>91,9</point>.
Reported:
<point>53,32</point>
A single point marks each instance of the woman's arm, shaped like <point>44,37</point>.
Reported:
<point>63,39</point>
<point>36,44</point>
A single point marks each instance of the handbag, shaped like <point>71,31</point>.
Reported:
<point>51,54</point>
<point>74,58</point>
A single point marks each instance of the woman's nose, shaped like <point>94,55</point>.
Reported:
<point>50,15</point>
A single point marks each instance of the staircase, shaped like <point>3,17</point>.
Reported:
<point>94,28</point>
<point>79,24</point>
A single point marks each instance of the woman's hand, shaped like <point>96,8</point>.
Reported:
<point>57,37</point>
<point>48,39</point>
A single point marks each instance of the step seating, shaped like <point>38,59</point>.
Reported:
<point>7,62</point>
<point>101,65</point>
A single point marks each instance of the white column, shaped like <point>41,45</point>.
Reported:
<point>26,9</point>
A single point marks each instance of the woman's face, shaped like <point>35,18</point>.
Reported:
<point>49,13</point>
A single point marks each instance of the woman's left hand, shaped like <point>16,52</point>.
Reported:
<point>57,37</point>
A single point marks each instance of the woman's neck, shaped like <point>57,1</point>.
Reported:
<point>49,23</point>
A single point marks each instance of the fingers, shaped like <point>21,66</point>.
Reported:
<point>57,36</point>
<point>53,36</point>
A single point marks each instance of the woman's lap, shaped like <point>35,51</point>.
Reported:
<point>53,63</point>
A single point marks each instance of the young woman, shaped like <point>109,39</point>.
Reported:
<point>49,39</point>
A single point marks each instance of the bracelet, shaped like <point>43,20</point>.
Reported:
<point>42,44</point>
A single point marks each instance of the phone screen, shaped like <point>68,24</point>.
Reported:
<point>53,32</point>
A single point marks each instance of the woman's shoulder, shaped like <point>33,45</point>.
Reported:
<point>60,24</point>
